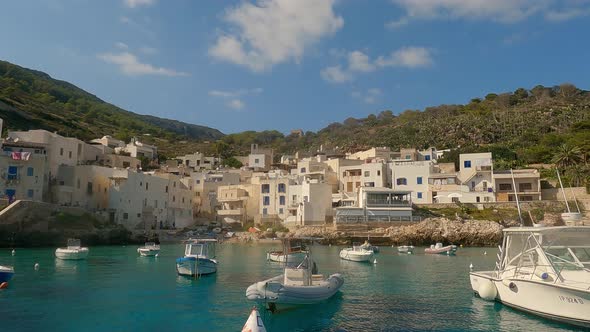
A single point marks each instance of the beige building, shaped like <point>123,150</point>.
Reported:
<point>528,185</point>
<point>260,159</point>
<point>309,203</point>
<point>273,195</point>
<point>238,203</point>
<point>24,171</point>
<point>204,186</point>
<point>198,161</point>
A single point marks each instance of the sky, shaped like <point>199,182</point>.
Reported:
<point>297,64</point>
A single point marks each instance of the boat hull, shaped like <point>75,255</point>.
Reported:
<point>195,267</point>
<point>448,250</point>
<point>148,252</point>
<point>356,256</point>
<point>543,299</point>
<point>282,258</point>
<point>405,250</point>
<point>6,273</point>
<point>71,254</point>
<point>272,291</point>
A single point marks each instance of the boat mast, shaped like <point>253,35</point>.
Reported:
<point>575,200</point>
<point>563,191</point>
<point>516,196</point>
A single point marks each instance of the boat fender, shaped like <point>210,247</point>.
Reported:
<point>4,285</point>
<point>542,274</point>
<point>36,266</point>
<point>487,290</point>
<point>13,252</point>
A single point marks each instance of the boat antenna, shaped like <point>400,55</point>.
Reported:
<point>563,190</point>
<point>575,200</point>
<point>516,196</point>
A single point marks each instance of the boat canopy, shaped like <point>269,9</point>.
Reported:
<point>201,248</point>
<point>73,243</point>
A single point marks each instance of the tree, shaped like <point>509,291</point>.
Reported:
<point>567,155</point>
<point>232,162</point>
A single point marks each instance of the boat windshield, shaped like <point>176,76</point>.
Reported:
<point>568,248</point>
<point>150,244</point>
<point>195,249</point>
<point>73,243</point>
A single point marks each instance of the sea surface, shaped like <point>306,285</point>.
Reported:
<point>116,290</point>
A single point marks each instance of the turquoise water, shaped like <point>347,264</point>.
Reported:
<point>115,290</point>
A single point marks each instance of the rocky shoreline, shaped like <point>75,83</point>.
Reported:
<point>426,232</point>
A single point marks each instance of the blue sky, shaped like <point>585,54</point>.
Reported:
<point>286,64</point>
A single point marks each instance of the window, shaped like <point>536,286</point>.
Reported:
<point>367,173</point>
<point>266,200</point>
<point>147,186</point>
<point>30,193</point>
<point>378,173</point>
<point>70,154</point>
<point>369,184</point>
<point>78,184</point>
<point>467,164</point>
<point>183,199</point>
<point>281,211</point>
<point>166,188</point>
<point>427,157</point>
<point>174,184</point>
<point>174,198</point>
<point>525,186</point>
<point>125,216</point>
<point>282,188</point>
<point>30,171</point>
<point>419,180</point>
<point>139,215</point>
<point>256,161</point>
<point>265,188</point>
<point>408,157</point>
<point>282,200</point>
<point>526,198</point>
<point>61,151</point>
<point>264,211</point>
<point>12,172</point>
<point>402,181</point>
<point>294,198</point>
<point>419,195</point>
<point>455,199</point>
<point>198,181</point>
<point>302,170</point>
<point>89,188</point>
<point>198,193</point>
<point>140,184</point>
<point>505,186</point>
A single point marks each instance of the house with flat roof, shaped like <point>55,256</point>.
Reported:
<point>527,181</point>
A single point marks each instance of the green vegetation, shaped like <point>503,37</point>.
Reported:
<point>31,99</point>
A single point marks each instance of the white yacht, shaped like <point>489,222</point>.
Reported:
<point>357,254</point>
<point>298,285</point>
<point>542,270</point>
<point>199,258</point>
<point>405,249</point>
<point>150,249</point>
<point>73,251</point>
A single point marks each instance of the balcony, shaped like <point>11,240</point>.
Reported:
<point>231,212</point>
<point>387,203</point>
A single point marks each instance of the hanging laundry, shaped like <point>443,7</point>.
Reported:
<point>15,155</point>
<point>25,155</point>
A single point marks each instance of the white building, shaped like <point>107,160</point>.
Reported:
<point>24,171</point>
<point>260,159</point>
<point>371,174</point>
<point>376,205</point>
<point>412,176</point>
<point>273,195</point>
<point>309,203</point>
<point>137,149</point>
<point>198,161</point>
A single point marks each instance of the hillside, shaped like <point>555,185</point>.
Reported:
<point>520,127</point>
<point>31,99</point>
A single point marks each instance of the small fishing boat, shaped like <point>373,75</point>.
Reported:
<point>150,249</point>
<point>198,258</point>
<point>541,270</point>
<point>288,254</point>
<point>6,273</point>
<point>356,253</point>
<point>73,251</point>
<point>368,246</point>
<point>405,249</point>
<point>254,322</point>
<point>298,285</point>
<point>440,249</point>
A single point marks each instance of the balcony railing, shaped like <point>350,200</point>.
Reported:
<point>387,203</point>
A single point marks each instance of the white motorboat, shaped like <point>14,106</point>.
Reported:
<point>73,251</point>
<point>6,273</point>
<point>405,249</point>
<point>368,246</point>
<point>298,285</point>
<point>254,322</point>
<point>150,249</point>
<point>441,250</point>
<point>198,258</point>
<point>357,254</point>
<point>541,270</point>
<point>289,254</point>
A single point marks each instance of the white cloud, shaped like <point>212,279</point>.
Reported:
<point>130,65</point>
<point>336,74</point>
<point>409,57</point>
<point>138,3</point>
<point>274,31</point>
<point>371,96</point>
<point>358,62</point>
<point>234,93</point>
<point>236,104</point>
<point>503,11</point>
<point>121,45</point>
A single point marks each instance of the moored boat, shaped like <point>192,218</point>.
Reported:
<point>6,273</point>
<point>541,270</point>
<point>369,246</point>
<point>356,253</point>
<point>254,322</point>
<point>441,250</point>
<point>198,258</point>
<point>290,254</point>
<point>405,249</point>
<point>150,249</point>
<point>73,251</point>
<point>298,285</point>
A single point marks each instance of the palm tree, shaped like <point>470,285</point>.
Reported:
<point>567,155</point>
